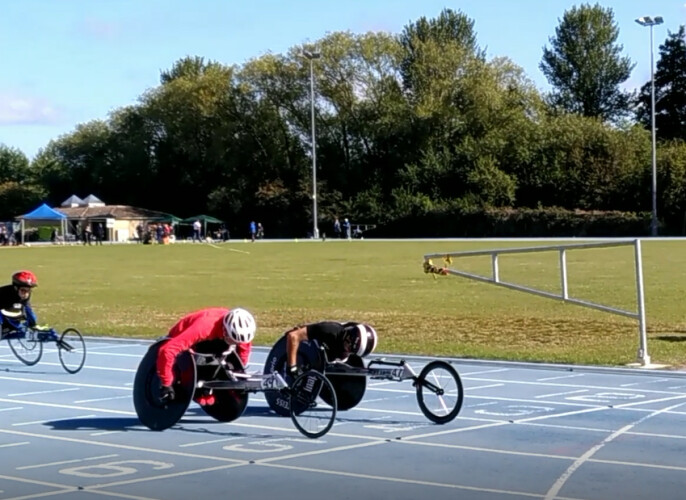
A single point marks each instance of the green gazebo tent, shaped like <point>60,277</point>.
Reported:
<point>204,219</point>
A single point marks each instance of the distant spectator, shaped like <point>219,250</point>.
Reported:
<point>99,233</point>
<point>336,228</point>
<point>139,232</point>
<point>253,230</point>
<point>224,233</point>
<point>196,230</point>
<point>86,234</point>
<point>260,231</point>
<point>346,228</point>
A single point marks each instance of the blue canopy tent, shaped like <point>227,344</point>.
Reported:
<point>43,214</point>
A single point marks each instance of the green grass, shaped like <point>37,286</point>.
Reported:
<point>140,291</point>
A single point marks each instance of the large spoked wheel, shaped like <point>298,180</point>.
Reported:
<point>312,404</point>
<point>308,357</point>
<point>439,392</point>
<point>27,349</point>
<point>72,350</point>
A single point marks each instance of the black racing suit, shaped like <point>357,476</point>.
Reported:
<point>330,335</point>
<point>10,300</point>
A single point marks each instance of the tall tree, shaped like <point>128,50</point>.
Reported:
<point>670,90</point>
<point>585,66</point>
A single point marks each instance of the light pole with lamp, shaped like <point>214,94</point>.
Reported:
<point>650,22</point>
<point>315,227</point>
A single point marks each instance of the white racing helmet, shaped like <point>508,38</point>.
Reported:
<point>239,326</point>
<point>365,340</point>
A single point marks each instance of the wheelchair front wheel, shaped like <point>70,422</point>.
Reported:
<point>312,404</point>
<point>439,392</point>
<point>72,350</point>
<point>27,349</point>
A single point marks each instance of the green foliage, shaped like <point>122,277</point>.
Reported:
<point>585,66</point>
<point>14,166</point>
<point>406,125</point>
<point>670,90</point>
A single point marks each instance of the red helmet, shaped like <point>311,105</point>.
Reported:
<point>24,279</point>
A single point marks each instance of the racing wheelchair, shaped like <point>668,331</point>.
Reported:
<point>438,386</point>
<point>209,369</point>
<point>26,343</point>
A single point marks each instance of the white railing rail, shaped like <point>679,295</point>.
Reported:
<point>642,355</point>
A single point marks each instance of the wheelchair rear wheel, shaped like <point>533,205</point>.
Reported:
<point>27,349</point>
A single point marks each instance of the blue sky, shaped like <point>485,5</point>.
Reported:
<point>66,62</point>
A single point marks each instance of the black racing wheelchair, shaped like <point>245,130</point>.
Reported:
<point>208,369</point>
<point>438,385</point>
<point>26,343</point>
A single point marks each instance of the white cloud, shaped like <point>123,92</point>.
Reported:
<point>18,109</point>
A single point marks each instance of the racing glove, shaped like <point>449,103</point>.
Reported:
<point>167,393</point>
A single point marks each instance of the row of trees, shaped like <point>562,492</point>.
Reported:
<point>407,124</point>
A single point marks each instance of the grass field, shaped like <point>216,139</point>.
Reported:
<point>140,291</point>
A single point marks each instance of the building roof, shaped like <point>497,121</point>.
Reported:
<point>112,212</point>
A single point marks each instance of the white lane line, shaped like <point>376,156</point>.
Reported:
<point>77,460</point>
<point>96,487</point>
<point>483,387</point>
<point>70,384</point>
<point>101,399</point>
<point>557,486</point>
<point>48,420</point>
<point>559,377</point>
<point>606,431</point>
<point>200,443</point>
<point>645,382</point>
<point>404,480</point>
<point>498,370</point>
<point>42,392</point>
<point>104,433</point>
<point>118,446</point>
<point>571,386</point>
<point>560,394</point>
<point>9,445</point>
<point>69,407</point>
<point>12,408</point>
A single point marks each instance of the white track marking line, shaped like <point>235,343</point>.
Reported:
<point>480,372</point>
<point>557,486</point>
<point>117,446</point>
<point>69,407</point>
<point>483,387</point>
<point>97,487</point>
<point>101,399</point>
<point>12,408</point>
<point>404,480</point>
<point>570,386</point>
<point>560,377</point>
<point>42,392</point>
<point>63,462</point>
<point>48,420</point>
<point>645,382</point>
<point>560,394</point>
<point>70,384</point>
<point>10,445</point>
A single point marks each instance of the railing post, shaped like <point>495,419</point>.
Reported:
<point>643,356</point>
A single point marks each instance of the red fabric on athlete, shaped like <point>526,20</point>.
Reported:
<point>193,328</point>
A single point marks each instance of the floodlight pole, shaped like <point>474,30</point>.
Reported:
<point>651,22</point>
<point>315,227</point>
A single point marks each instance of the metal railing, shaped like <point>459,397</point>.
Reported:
<point>642,355</point>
